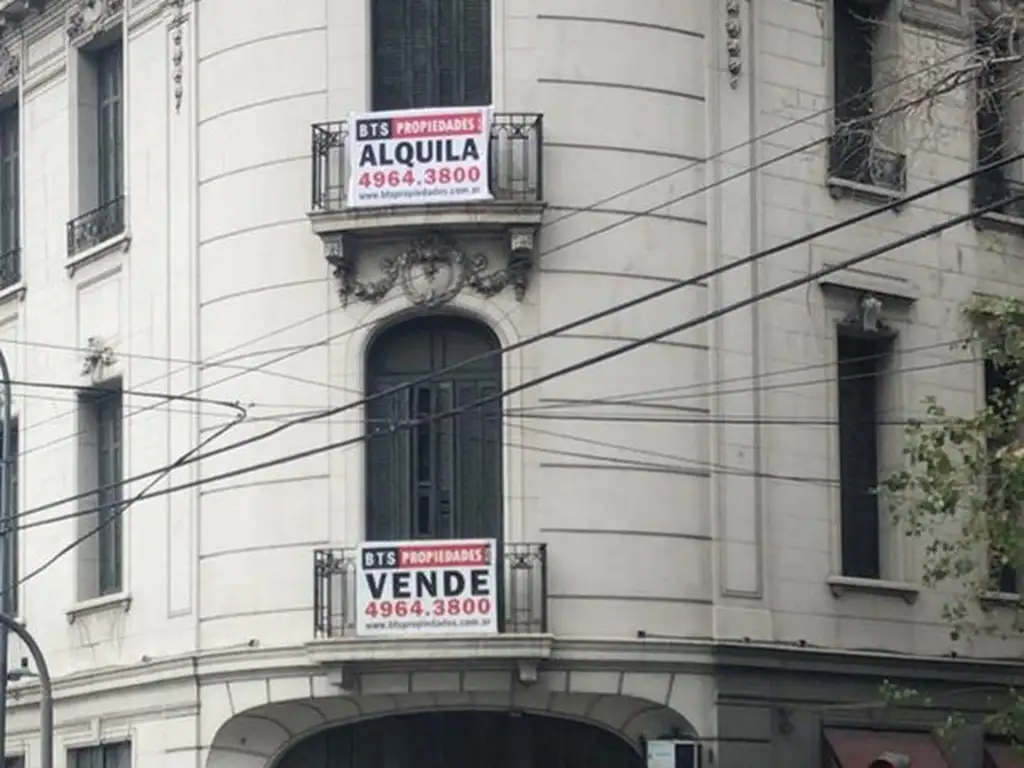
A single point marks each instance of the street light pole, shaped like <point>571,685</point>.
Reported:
<point>45,688</point>
<point>7,542</point>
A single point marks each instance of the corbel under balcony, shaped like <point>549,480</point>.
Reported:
<point>431,269</point>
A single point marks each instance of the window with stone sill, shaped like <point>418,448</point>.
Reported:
<point>999,120</point>
<point>864,359</point>
<point>100,469</point>
<point>100,104</point>
<point>10,197</point>
<point>863,150</point>
<point>430,53</point>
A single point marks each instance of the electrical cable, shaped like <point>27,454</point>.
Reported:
<point>928,95</point>
<point>580,365</point>
<point>621,306</point>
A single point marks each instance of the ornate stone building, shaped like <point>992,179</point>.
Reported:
<point>675,562</point>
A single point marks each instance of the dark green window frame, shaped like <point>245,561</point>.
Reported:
<point>430,53</point>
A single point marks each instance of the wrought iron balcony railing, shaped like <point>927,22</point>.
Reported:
<point>10,268</point>
<point>854,155</point>
<point>516,167</point>
<point>522,579</point>
<point>993,186</point>
<point>96,226</point>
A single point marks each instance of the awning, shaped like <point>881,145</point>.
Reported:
<point>857,748</point>
<point>1004,755</point>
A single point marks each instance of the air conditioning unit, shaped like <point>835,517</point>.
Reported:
<point>673,753</point>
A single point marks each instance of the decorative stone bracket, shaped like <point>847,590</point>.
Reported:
<point>97,357</point>
<point>88,18</point>
<point>432,271</point>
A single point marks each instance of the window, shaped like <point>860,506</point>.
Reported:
<point>997,114</point>
<point>100,468</point>
<point>10,208</point>
<point>862,361</point>
<point>431,53</point>
<point>1000,396</point>
<point>116,755</point>
<point>865,56</point>
<point>439,478</point>
<point>100,112</point>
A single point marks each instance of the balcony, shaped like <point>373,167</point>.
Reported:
<point>414,240</point>
<point>522,577</point>
<point>95,228</point>
<point>515,179</point>
<point>859,167</point>
<point>521,640</point>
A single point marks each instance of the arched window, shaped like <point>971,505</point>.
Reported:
<point>431,53</point>
<point>453,739</point>
<point>440,479</point>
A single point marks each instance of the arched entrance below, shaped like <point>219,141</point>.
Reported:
<point>464,739</point>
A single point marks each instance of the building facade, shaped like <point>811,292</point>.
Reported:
<point>228,376</point>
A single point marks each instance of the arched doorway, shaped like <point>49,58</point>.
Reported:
<point>464,739</point>
<point>441,478</point>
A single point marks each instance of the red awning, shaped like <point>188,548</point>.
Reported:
<point>1004,755</point>
<point>856,748</point>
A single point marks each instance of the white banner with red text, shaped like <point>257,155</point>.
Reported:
<point>427,587</point>
<point>418,157</point>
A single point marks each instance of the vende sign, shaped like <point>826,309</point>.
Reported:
<point>418,157</point>
<point>421,587</point>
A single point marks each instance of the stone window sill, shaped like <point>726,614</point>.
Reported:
<point>117,601</point>
<point>117,243</point>
<point>842,585</point>
<point>1000,222</point>
<point>1001,599</point>
<point>13,292</point>
<point>839,187</point>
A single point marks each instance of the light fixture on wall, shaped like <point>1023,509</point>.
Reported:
<point>891,760</point>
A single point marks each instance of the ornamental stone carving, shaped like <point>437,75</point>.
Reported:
<point>734,41</point>
<point>88,18</point>
<point>432,270</point>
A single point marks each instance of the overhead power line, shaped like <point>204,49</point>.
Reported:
<point>573,368</point>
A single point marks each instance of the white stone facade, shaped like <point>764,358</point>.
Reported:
<point>681,530</point>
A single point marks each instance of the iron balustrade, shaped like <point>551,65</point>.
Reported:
<point>854,155</point>
<point>97,226</point>
<point>515,155</point>
<point>522,587</point>
<point>10,268</point>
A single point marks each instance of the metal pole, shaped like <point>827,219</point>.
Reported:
<point>45,688</point>
<point>7,581</point>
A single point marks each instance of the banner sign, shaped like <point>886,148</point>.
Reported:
<point>418,157</point>
<point>427,587</point>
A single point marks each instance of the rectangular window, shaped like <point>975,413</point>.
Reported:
<point>99,118</point>
<point>110,128</point>
<point>862,361</point>
<point>1000,394</point>
<point>117,755</point>
<point>101,469</point>
<point>431,53</point>
<point>9,181</point>
<point>998,109</point>
<point>863,147</point>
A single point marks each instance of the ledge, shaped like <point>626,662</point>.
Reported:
<point>475,215</point>
<point>118,600</point>
<point>839,188</point>
<point>117,243</point>
<point>13,292</point>
<point>1001,600</point>
<point>999,222</point>
<point>841,585</point>
<point>347,657</point>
